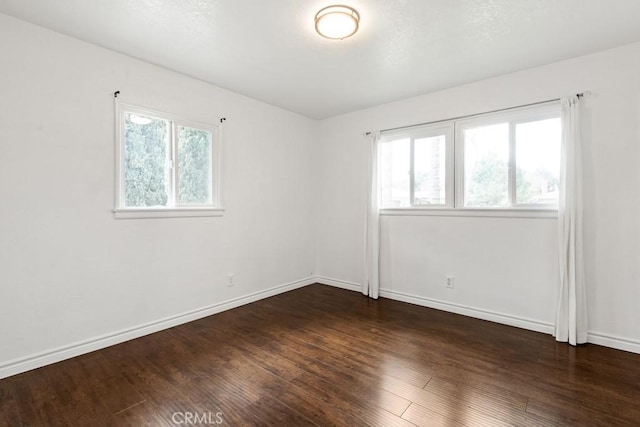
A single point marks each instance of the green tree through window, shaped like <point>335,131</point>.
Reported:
<point>145,157</point>
<point>194,166</point>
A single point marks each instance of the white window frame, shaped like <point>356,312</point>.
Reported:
<point>421,132</point>
<point>513,118</point>
<point>172,210</point>
<point>455,166</point>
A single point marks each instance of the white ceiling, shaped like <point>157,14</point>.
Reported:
<point>268,49</point>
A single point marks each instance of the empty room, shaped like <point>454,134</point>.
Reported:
<point>292,213</point>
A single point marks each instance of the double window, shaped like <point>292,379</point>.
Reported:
<point>507,160</point>
<point>166,165</point>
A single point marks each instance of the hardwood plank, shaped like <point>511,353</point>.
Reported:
<point>142,414</point>
<point>242,378</point>
<point>456,409</point>
<point>366,412</point>
<point>509,411</point>
<point>76,399</point>
<point>172,390</point>
<point>36,401</point>
<point>572,414</point>
<point>334,372</point>
<point>132,362</point>
<point>351,359</point>
<point>493,396</point>
<point>377,358</point>
<point>276,413</point>
<point>115,393</point>
<point>424,417</point>
<point>9,415</point>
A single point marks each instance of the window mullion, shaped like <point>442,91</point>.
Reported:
<point>512,164</point>
<point>412,172</point>
<point>450,180</point>
<point>458,167</point>
<point>120,154</point>
<point>173,161</point>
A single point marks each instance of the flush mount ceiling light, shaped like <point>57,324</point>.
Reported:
<point>337,22</point>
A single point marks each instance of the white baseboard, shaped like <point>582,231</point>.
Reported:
<point>493,316</point>
<point>17,366</point>
<point>342,284</point>
<point>619,343</point>
<point>604,340</point>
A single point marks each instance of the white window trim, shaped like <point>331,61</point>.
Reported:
<point>472,212</point>
<point>133,213</point>
<point>455,165</point>
<point>174,211</point>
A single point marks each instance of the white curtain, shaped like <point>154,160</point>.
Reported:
<point>371,281</point>
<point>571,316</point>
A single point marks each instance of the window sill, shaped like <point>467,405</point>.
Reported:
<point>167,213</point>
<point>491,213</point>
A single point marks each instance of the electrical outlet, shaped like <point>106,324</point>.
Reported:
<point>230,281</point>
<point>449,282</point>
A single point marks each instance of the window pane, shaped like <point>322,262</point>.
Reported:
<point>538,162</point>
<point>429,170</point>
<point>486,171</point>
<point>194,166</point>
<point>145,159</point>
<point>394,173</point>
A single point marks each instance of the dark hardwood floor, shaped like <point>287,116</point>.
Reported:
<point>325,356</point>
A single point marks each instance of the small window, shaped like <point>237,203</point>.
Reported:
<point>415,167</point>
<point>166,164</point>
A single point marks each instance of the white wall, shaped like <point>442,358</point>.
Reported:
<point>505,269</point>
<point>69,271</point>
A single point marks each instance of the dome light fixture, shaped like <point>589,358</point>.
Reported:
<point>337,22</point>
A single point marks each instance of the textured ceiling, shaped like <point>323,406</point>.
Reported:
<point>267,49</point>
